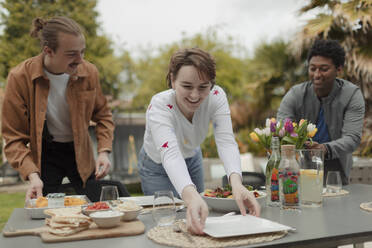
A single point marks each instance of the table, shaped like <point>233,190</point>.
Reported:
<point>340,221</point>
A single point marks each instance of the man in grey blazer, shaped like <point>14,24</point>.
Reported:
<point>335,105</point>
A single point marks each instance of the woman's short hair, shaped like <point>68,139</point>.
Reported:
<point>196,57</point>
<point>47,30</point>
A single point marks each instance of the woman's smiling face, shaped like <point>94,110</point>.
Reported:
<point>191,88</point>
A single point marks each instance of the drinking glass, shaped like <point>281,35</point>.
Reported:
<point>333,182</point>
<point>109,193</point>
<point>311,163</point>
<point>164,208</point>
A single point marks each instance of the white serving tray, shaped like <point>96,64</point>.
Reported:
<point>38,213</point>
<point>237,225</point>
<point>146,200</point>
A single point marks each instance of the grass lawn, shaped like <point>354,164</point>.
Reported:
<point>10,201</point>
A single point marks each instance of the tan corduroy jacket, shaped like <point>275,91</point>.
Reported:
<point>24,109</point>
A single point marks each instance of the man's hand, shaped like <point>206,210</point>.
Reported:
<point>35,189</point>
<point>197,210</point>
<point>243,197</point>
<point>316,145</point>
<point>103,165</point>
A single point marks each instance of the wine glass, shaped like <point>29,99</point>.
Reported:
<point>109,193</point>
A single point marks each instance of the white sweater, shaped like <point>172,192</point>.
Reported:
<point>170,138</point>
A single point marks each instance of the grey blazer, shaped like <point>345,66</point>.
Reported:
<point>343,113</point>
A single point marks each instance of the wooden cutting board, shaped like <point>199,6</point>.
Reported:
<point>124,229</point>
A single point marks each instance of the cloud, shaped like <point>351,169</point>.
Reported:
<point>153,23</point>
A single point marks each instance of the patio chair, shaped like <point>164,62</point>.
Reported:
<point>255,179</point>
<point>93,188</point>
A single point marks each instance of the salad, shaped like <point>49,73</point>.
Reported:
<point>226,192</point>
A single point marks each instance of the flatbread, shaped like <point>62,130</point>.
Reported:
<point>70,219</point>
<point>66,231</point>
<point>62,211</point>
<point>54,224</point>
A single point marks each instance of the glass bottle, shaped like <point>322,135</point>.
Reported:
<point>272,183</point>
<point>289,179</point>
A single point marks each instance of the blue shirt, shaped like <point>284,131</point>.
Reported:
<point>322,135</point>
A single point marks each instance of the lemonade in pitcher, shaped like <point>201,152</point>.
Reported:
<point>311,163</point>
<point>311,187</point>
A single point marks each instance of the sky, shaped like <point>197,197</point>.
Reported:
<point>133,24</point>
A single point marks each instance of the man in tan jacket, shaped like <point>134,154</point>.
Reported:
<point>49,101</point>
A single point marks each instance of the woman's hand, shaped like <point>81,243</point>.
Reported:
<point>102,165</point>
<point>243,197</point>
<point>35,189</point>
<point>197,210</point>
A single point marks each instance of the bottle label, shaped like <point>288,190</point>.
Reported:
<point>274,185</point>
<point>290,187</point>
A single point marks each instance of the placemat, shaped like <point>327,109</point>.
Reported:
<point>367,206</point>
<point>166,236</point>
<point>148,209</point>
<point>341,193</point>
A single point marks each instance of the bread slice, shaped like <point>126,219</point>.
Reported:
<point>54,224</point>
<point>66,231</point>
<point>62,211</point>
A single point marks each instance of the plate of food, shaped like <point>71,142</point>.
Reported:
<point>222,199</point>
<point>35,207</point>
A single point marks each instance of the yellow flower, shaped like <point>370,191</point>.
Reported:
<point>312,133</point>
<point>254,136</point>
<point>294,124</point>
<point>273,120</point>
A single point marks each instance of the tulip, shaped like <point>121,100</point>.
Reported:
<point>301,122</point>
<point>288,126</point>
<point>281,132</point>
<point>258,131</point>
<point>272,127</point>
<point>266,131</point>
<point>312,133</point>
<point>254,136</point>
<point>268,122</point>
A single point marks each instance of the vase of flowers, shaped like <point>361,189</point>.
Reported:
<point>282,132</point>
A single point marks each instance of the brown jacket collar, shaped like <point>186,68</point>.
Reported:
<point>37,69</point>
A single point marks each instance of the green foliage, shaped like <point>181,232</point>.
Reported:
<point>151,70</point>
<point>9,201</point>
<point>16,44</point>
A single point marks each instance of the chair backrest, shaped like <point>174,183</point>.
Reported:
<point>254,179</point>
<point>93,188</point>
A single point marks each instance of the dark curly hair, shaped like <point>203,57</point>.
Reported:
<point>329,49</point>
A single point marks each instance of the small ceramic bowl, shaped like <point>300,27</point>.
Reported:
<point>129,215</point>
<point>106,219</point>
<point>88,212</point>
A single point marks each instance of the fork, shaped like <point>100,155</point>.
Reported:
<point>178,229</point>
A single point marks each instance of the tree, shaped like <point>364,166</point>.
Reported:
<point>350,23</point>
<point>16,44</point>
<point>151,70</point>
<point>270,72</point>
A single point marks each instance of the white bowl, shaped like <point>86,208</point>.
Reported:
<point>129,215</point>
<point>229,204</point>
<point>106,219</point>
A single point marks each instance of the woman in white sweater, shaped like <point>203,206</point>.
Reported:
<point>177,122</point>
